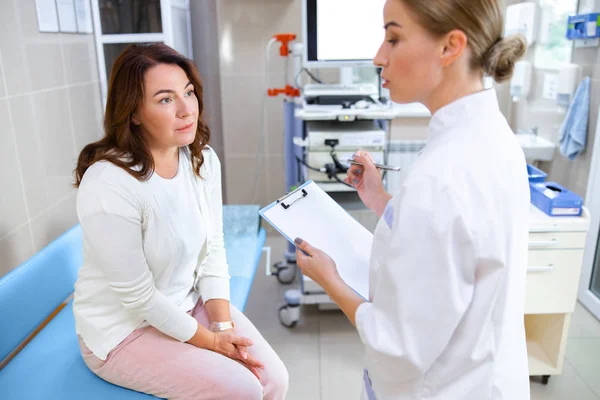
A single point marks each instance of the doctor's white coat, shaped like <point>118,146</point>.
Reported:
<point>445,316</point>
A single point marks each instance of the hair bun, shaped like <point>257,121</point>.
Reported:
<point>499,61</point>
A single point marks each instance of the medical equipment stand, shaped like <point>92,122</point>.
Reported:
<point>296,119</point>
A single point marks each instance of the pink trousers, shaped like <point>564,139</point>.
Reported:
<point>149,361</point>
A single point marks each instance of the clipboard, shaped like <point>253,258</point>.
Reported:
<point>311,214</point>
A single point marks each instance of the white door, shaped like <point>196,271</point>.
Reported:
<point>589,286</point>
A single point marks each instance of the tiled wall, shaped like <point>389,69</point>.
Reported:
<point>544,114</point>
<point>574,174</point>
<point>205,47</point>
<point>50,108</point>
<point>245,27</point>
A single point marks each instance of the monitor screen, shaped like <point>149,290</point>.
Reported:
<point>341,33</point>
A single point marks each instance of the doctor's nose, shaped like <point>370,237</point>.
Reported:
<point>380,59</point>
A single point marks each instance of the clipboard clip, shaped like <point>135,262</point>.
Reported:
<point>297,199</point>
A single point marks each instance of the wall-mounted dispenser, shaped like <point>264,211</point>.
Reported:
<point>520,84</point>
<point>522,19</point>
<point>568,78</point>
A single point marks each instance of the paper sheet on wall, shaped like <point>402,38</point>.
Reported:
<point>311,214</point>
<point>46,15</point>
<point>66,16</point>
<point>84,16</point>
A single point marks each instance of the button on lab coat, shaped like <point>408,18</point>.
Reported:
<point>447,276</point>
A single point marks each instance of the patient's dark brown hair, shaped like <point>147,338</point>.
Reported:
<point>123,143</point>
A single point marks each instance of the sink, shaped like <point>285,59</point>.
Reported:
<point>535,147</point>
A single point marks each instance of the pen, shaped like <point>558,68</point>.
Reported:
<point>379,166</point>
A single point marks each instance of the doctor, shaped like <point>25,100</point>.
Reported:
<point>444,318</point>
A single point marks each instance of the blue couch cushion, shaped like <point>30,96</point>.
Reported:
<point>32,291</point>
<point>51,367</point>
<point>52,359</point>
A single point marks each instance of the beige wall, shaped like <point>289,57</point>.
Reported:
<point>50,108</point>
<point>245,27</point>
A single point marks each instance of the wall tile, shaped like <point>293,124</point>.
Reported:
<point>276,177</point>
<point>2,78</point>
<point>242,39</point>
<point>27,17</point>
<point>53,222</point>
<point>15,249</point>
<point>241,181</point>
<point>79,57</point>
<point>15,66</point>
<point>585,56</point>
<point>86,112</point>
<point>13,212</point>
<point>45,146</point>
<point>275,124</point>
<point>46,53</point>
<point>242,114</point>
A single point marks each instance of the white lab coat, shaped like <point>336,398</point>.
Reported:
<point>444,319</point>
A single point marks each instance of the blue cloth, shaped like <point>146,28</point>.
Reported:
<point>573,132</point>
<point>368,387</point>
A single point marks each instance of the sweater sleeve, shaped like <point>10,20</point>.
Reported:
<point>111,217</point>
<point>213,282</point>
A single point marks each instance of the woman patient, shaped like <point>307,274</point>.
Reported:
<point>151,301</point>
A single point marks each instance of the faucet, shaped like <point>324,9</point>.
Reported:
<point>533,131</point>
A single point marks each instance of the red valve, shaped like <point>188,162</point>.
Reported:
<point>287,90</point>
<point>285,39</point>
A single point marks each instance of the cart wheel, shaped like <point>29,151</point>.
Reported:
<point>545,379</point>
<point>286,318</point>
<point>285,273</point>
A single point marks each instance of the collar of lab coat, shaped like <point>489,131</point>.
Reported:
<point>464,110</point>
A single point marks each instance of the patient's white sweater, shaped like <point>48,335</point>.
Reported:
<point>151,249</point>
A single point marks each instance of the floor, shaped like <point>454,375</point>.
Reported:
<point>323,353</point>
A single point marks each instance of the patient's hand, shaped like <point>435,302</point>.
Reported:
<point>233,346</point>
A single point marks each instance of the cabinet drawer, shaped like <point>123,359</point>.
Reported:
<point>552,281</point>
<point>556,240</point>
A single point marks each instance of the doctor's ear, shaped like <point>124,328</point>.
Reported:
<point>454,44</point>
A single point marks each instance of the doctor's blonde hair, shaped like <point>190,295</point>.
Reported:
<point>482,22</point>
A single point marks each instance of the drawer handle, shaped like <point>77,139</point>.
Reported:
<point>542,244</point>
<point>550,228</point>
<point>545,268</point>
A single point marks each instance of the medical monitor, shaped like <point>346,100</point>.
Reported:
<point>342,33</point>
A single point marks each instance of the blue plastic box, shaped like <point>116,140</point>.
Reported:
<point>535,175</point>
<point>555,200</point>
<point>583,26</point>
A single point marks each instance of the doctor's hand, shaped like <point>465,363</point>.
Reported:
<point>366,179</point>
<point>317,265</point>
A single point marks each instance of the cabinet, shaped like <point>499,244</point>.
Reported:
<point>556,248</point>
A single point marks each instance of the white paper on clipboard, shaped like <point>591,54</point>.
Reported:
<point>312,215</point>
